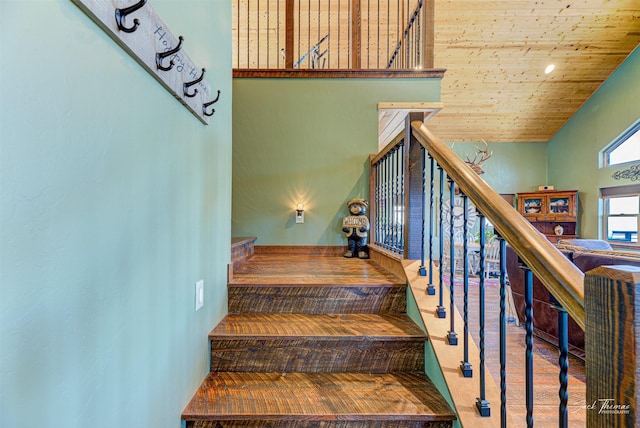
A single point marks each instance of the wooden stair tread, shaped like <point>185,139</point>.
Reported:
<point>311,270</point>
<point>317,396</point>
<point>342,326</point>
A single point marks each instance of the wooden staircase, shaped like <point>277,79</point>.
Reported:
<point>316,341</point>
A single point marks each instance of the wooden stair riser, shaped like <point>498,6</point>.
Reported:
<point>317,299</point>
<point>317,355</point>
<point>319,424</point>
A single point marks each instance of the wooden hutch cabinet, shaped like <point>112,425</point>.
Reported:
<point>552,212</point>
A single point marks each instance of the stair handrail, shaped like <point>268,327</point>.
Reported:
<point>559,275</point>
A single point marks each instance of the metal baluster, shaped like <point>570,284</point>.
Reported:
<point>378,33</point>
<point>238,35</point>
<point>382,201</point>
<point>388,28</point>
<point>431,290</point>
<point>380,237</point>
<point>248,37</point>
<point>563,362</point>
<point>394,175</point>
<point>482,404</point>
<point>387,192</point>
<point>379,213</point>
<point>503,330</point>
<point>390,201</point>
<point>339,56</point>
<point>376,226</point>
<point>528,325</point>
<point>422,271</point>
<point>397,201</point>
<point>299,30</point>
<point>465,365</point>
<point>329,31</point>
<point>308,34</point>
<point>419,40</point>
<point>452,337</point>
<point>441,311</point>
<point>401,201</point>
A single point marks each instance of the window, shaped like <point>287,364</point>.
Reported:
<point>621,213</point>
<point>625,148</point>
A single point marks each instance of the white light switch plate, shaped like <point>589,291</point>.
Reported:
<point>199,294</point>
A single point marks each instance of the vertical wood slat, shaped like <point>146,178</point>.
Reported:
<point>612,345</point>
<point>412,192</point>
<point>288,22</point>
<point>428,36</point>
<point>355,34</point>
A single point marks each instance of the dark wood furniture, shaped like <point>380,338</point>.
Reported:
<point>552,212</point>
<point>545,315</point>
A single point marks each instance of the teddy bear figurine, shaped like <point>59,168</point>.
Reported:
<point>356,227</point>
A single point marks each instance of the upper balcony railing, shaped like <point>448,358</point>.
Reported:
<point>333,34</point>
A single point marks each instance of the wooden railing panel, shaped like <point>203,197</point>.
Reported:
<point>339,34</point>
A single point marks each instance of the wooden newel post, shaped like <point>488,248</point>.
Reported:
<point>612,346</point>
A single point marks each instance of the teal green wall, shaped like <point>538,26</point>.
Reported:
<point>308,141</point>
<point>114,202</point>
<point>513,168</point>
<point>574,152</point>
<point>431,366</point>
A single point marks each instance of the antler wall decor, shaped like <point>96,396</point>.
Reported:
<point>149,42</point>
<point>479,158</point>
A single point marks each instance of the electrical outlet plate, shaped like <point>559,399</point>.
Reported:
<point>199,294</point>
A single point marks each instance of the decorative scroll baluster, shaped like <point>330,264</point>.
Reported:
<point>422,271</point>
<point>465,365</point>
<point>440,310</point>
<point>482,404</point>
<point>503,330</point>
<point>431,290</point>
<point>452,337</point>
<point>528,325</point>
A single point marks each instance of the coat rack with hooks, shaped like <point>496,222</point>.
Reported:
<point>138,29</point>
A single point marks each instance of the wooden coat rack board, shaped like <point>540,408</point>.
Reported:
<point>138,29</point>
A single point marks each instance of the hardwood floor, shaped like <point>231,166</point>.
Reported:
<point>545,366</point>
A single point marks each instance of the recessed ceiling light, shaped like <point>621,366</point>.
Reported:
<point>549,68</point>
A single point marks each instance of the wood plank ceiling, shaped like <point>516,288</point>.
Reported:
<point>495,53</point>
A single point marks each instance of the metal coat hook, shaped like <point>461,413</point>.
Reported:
<point>121,14</point>
<point>187,85</point>
<point>205,105</point>
<point>162,55</point>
